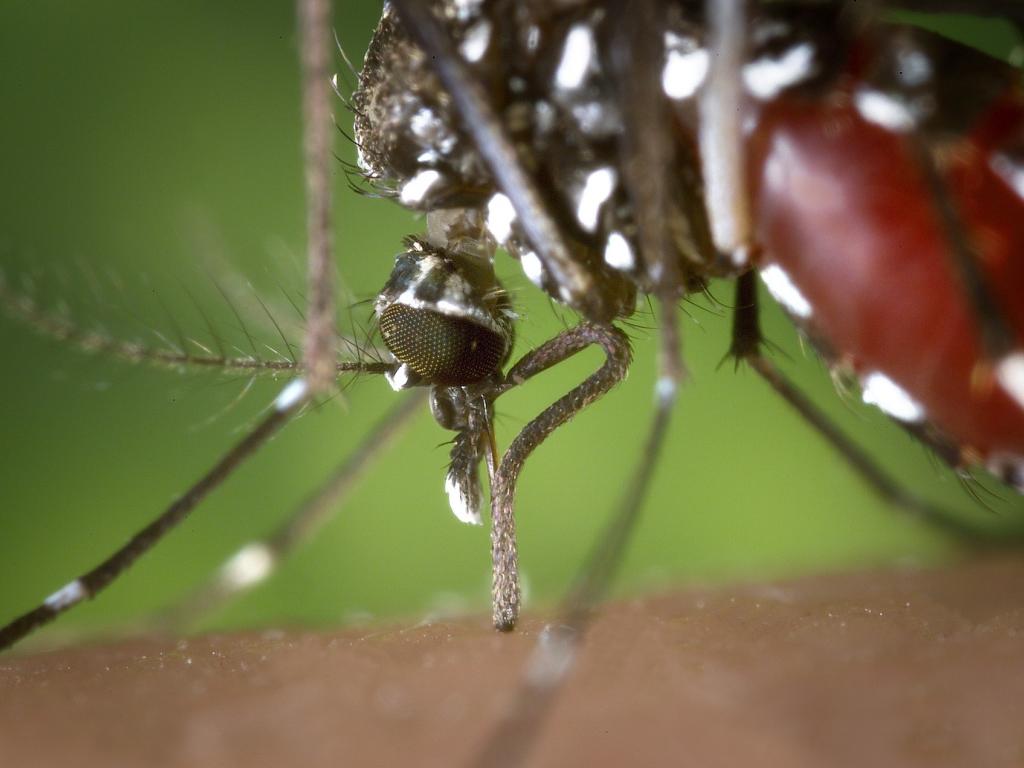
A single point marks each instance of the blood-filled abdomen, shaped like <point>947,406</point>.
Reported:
<point>853,241</point>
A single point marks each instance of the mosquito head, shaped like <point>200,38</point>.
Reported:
<point>444,316</point>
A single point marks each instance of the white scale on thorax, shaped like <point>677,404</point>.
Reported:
<point>578,55</point>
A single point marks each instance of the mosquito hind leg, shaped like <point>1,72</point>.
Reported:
<point>89,584</point>
<point>746,347</point>
<point>255,562</point>
<point>319,354</point>
<point>999,342</point>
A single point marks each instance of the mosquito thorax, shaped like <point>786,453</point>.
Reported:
<point>412,145</point>
<point>444,316</point>
<point>873,154</point>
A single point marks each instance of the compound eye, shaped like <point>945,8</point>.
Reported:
<point>443,349</point>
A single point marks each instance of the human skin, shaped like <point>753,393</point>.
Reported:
<point>894,667</point>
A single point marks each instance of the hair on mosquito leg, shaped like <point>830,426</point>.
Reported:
<point>974,489</point>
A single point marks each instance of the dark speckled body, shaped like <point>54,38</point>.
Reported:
<point>836,120</point>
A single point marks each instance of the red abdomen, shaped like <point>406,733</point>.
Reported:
<point>843,210</point>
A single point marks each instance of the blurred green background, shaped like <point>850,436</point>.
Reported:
<point>149,148</point>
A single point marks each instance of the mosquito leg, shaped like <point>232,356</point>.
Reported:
<point>256,561</point>
<point>89,584</point>
<point>746,346</point>
<point>506,594</point>
<point>999,342</point>
<point>645,164</point>
<point>997,338</point>
<point>721,131</point>
<point>647,151</point>
<point>319,347</point>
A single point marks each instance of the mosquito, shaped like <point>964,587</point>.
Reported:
<point>611,224</point>
<point>610,220</point>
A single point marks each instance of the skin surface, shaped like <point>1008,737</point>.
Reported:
<point>908,668</point>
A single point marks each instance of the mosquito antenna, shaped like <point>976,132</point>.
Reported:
<point>218,343</point>
<point>230,406</point>
<point>499,153</point>
<point>287,404</point>
<point>298,310</point>
<point>277,326</point>
<point>319,346</point>
<point>24,309</point>
<point>238,315</point>
<point>183,344</point>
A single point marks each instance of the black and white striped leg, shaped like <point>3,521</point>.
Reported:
<point>746,346</point>
<point>89,584</point>
<point>256,561</point>
<point>504,552</point>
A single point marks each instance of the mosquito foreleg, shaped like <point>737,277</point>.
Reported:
<point>255,562</point>
<point>319,347</point>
